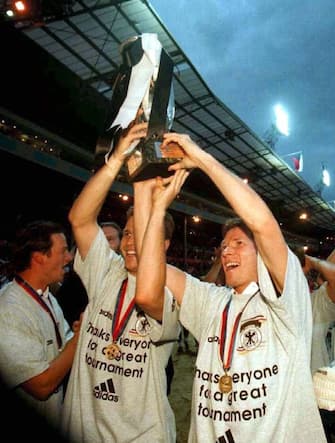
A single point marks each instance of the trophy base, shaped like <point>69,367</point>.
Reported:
<point>149,160</point>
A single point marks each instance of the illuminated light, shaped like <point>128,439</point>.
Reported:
<point>325,177</point>
<point>281,120</point>
<point>123,197</point>
<point>196,219</point>
<point>303,216</point>
<point>9,13</point>
<point>20,6</point>
<point>305,248</point>
<point>278,128</point>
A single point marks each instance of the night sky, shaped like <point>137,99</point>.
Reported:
<point>254,54</point>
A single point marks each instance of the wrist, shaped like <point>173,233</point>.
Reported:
<point>158,211</point>
<point>113,163</point>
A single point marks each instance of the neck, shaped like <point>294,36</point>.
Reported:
<point>33,281</point>
<point>242,288</point>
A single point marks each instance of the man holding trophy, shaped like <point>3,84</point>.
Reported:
<point>117,387</point>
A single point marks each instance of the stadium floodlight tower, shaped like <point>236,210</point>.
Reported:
<point>278,128</point>
<point>324,180</point>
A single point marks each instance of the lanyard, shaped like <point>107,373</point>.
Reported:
<point>119,322</point>
<point>223,335</point>
<point>31,291</point>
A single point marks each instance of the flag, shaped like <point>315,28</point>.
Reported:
<point>298,162</point>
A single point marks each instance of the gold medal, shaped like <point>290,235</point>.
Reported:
<point>113,351</point>
<point>225,383</point>
<point>226,380</point>
<point>119,322</point>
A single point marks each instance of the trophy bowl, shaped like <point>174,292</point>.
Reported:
<point>145,85</point>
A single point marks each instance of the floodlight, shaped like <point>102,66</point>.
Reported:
<point>20,6</point>
<point>281,120</point>
<point>325,177</point>
<point>278,128</point>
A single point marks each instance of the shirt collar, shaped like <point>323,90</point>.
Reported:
<point>250,289</point>
<point>45,294</point>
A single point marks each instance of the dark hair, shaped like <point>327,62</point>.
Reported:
<point>169,223</point>
<point>237,222</point>
<point>33,237</point>
<point>113,225</point>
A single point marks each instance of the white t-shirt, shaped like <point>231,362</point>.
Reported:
<point>123,399</point>
<point>272,397</point>
<point>323,315</point>
<point>28,344</point>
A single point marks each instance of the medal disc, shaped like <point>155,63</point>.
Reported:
<point>112,351</point>
<point>225,384</point>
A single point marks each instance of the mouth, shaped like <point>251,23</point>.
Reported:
<point>231,266</point>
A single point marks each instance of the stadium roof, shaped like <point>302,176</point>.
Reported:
<point>85,36</point>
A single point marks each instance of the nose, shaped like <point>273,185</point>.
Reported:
<point>129,239</point>
<point>69,256</point>
<point>225,250</point>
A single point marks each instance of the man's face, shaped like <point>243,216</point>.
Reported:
<point>55,261</point>
<point>127,247</point>
<point>113,238</point>
<point>239,259</point>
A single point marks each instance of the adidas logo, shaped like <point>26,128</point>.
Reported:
<point>106,391</point>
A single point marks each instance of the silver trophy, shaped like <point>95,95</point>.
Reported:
<point>143,91</point>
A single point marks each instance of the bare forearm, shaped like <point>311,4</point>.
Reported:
<point>324,267</point>
<point>44,384</point>
<point>242,198</point>
<point>88,204</point>
<point>151,273</point>
<point>142,210</point>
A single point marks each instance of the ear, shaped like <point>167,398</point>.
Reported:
<point>38,257</point>
<point>167,244</point>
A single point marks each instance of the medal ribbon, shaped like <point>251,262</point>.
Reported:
<point>119,322</point>
<point>223,334</point>
<point>36,296</point>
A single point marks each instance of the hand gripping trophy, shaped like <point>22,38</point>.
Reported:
<point>143,91</point>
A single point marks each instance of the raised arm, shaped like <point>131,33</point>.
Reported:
<point>246,203</point>
<point>87,206</point>
<point>327,270</point>
<point>142,208</point>
<point>151,271</point>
